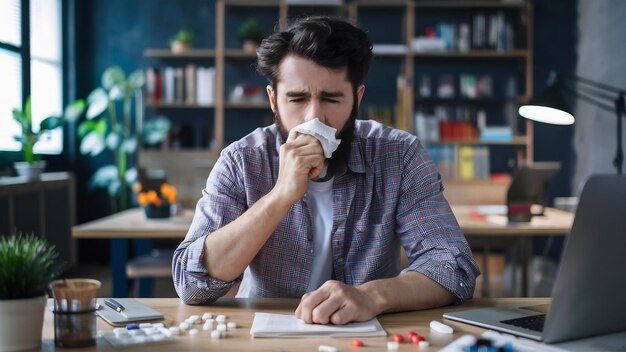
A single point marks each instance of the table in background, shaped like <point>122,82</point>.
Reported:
<point>495,230</point>
<point>242,312</point>
<point>131,224</point>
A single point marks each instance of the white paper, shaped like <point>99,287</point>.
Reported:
<point>284,325</point>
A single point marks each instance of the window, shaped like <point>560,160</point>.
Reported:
<point>40,59</point>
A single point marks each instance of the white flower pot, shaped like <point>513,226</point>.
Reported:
<point>30,172</point>
<point>21,323</point>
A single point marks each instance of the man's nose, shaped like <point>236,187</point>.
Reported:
<point>315,111</point>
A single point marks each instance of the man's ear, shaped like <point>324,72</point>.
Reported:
<point>359,94</point>
<point>272,97</point>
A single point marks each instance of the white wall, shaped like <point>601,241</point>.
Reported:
<point>601,57</point>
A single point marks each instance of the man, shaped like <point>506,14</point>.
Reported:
<point>332,241</point>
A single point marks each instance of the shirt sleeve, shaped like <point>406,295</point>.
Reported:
<point>223,200</point>
<point>428,230</point>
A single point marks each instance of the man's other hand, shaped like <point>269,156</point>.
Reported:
<point>337,303</point>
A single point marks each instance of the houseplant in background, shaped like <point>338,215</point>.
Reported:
<point>105,128</point>
<point>156,203</point>
<point>182,41</point>
<point>27,265</point>
<point>33,166</point>
<point>251,35</point>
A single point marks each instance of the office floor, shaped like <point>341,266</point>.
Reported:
<point>499,284</point>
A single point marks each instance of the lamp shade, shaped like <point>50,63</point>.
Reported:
<point>549,106</point>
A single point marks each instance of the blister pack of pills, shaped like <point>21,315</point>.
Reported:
<point>139,334</point>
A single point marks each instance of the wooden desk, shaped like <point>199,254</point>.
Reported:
<point>242,312</point>
<point>488,231</point>
<point>131,224</point>
<point>494,230</point>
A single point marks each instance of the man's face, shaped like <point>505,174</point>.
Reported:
<point>306,90</point>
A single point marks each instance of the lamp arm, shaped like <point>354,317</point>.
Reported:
<point>620,106</point>
<point>583,94</point>
<point>598,85</point>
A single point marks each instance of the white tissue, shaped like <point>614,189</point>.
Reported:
<point>325,134</point>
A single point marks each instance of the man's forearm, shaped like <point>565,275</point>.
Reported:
<point>409,291</point>
<point>229,250</point>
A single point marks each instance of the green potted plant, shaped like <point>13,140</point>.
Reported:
<point>33,166</point>
<point>112,122</point>
<point>251,35</point>
<point>182,41</point>
<point>27,265</point>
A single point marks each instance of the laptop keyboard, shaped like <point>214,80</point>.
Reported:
<point>534,322</point>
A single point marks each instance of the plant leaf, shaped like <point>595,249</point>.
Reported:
<point>93,144</point>
<point>137,79</point>
<point>86,127</point>
<point>130,145</point>
<point>156,129</point>
<point>113,76</point>
<point>98,101</point>
<point>103,176</point>
<point>113,187</point>
<point>113,140</point>
<point>73,110</point>
<point>28,113</point>
<point>50,123</point>
<point>116,92</point>
<point>130,176</point>
<point>18,116</point>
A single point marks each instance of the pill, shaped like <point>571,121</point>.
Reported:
<point>207,315</point>
<point>220,318</point>
<point>441,327</point>
<point>132,327</point>
<point>221,327</point>
<point>327,348</point>
<point>216,334</point>
<point>357,343</point>
<point>145,325</point>
<point>175,330</point>
<point>158,325</point>
<point>119,330</point>
<point>424,344</point>
<point>194,317</point>
<point>393,346</point>
<point>231,325</point>
<point>193,332</point>
<point>398,338</point>
<point>416,339</point>
<point>183,326</point>
<point>207,327</point>
<point>410,334</point>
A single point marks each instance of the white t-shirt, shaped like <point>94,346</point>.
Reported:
<point>319,199</point>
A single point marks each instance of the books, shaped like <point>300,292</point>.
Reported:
<point>284,325</point>
<point>134,311</point>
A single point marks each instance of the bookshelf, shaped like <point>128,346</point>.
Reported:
<point>406,18</point>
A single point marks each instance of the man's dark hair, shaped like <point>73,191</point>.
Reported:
<point>327,41</point>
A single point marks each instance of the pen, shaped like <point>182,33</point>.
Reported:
<point>113,304</point>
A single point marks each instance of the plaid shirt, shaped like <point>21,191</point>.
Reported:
<point>390,196</point>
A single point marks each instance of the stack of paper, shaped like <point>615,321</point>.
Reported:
<point>283,325</point>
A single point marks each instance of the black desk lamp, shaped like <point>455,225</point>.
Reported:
<point>550,107</point>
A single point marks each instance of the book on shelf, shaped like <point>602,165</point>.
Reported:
<point>463,162</point>
<point>191,85</point>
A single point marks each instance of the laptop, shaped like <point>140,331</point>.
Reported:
<point>588,297</point>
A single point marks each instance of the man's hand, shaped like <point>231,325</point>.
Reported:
<point>337,303</point>
<point>301,159</point>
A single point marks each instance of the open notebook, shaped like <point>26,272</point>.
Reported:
<point>284,325</point>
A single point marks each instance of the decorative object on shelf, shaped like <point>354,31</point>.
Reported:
<point>156,204</point>
<point>33,166</point>
<point>182,41</point>
<point>104,128</point>
<point>247,92</point>
<point>28,265</point>
<point>550,106</point>
<point>251,35</point>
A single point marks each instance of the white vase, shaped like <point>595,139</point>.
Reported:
<point>30,172</point>
<point>21,323</point>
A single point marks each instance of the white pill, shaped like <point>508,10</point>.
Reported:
<point>327,348</point>
<point>119,330</point>
<point>231,325</point>
<point>441,327</point>
<point>193,332</point>
<point>145,325</point>
<point>424,344</point>
<point>183,326</point>
<point>393,346</point>
<point>122,334</point>
<point>158,325</point>
<point>194,317</point>
<point>175,330</point>
<point>207,327</point>
<point>207,315</point>
<point>216,334</point>
<point>137,332</point>
<point>221,327</point>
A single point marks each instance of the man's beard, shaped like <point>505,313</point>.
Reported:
<point>341,156</point>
